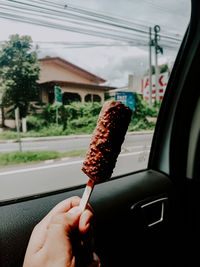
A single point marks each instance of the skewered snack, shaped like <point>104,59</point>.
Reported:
<point>105,144</point>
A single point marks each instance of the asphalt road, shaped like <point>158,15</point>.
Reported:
<point>31,179</point>
<point>63,144</point>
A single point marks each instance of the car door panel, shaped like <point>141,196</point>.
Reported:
<point>120,225</point>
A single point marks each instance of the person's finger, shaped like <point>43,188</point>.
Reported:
<point>85,221</point>
<point>69,220</point>
<point>39,234</point>
<point>60,228</point>
<point>61,207</point>
<point>65,205</point>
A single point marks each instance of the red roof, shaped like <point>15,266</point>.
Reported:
<point>80,85</point>
<point>74,68</point>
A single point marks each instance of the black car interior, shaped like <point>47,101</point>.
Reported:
<point>146,218</point>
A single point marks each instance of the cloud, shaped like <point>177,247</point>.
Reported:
<point>123,63</point>
<point>113,63</point>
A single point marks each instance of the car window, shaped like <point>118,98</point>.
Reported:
<point>59,61</point>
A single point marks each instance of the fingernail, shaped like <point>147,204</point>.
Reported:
<point>87,226</point>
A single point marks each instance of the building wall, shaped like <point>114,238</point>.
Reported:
<point>51,71</point>
<point>83,92</point>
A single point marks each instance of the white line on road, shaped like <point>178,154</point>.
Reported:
<point>133,153</point>
<point>61,164</point>
<point>138,147</point>
<point>41,167</point>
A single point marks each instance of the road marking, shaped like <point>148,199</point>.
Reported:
<point>41,167</point>
<point>62,164</point>
<point>138,147</point>
<point>133,153</point>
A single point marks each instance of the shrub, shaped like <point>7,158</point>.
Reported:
<point>80,118</point>
<point>35,122</point>
<point>76,114</point>
<point>83,122</point>
<point>48,114</point>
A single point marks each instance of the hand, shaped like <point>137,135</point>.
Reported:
<point>62,238</point>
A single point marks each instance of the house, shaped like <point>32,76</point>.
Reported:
<point>76,83</point>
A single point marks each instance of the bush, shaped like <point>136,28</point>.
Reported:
<point>73,116</point>
<point>81,118</point>
<point>48,114</point>
<point>35,123</point>
<point>83,125</point>
<point>76,109</point>
<point>142,111</point>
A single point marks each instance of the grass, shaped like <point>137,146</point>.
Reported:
<point>17,157</point>
<point>52,130</point>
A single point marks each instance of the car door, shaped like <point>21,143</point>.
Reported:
<point>144,218</point>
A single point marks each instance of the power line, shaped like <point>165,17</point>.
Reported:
<point>78,16</point>
<point>68,28</point>
<point>51,14</point>
<point>54,10</point>
<point>116,19</point>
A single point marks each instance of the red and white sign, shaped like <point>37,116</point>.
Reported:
<point>162,83</point>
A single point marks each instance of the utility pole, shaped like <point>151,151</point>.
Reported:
<point>156,75</point>
<point>158,49</point>
<point>150,67</point>
<point>18,128</point>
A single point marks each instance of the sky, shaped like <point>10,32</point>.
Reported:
<point>118,59</point>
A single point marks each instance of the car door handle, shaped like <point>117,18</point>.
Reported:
<point>154,211</point>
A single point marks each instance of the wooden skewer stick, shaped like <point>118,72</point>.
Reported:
<point>86,195</point>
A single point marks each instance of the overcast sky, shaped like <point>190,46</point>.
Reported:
<point>113,63</point>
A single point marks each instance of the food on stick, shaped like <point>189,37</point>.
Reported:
<point>106,142</point>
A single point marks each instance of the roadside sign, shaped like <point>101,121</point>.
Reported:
<point>58,95</point>
<point>162,84</point>
<point>127,98</point>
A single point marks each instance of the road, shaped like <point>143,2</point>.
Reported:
<point>63,144</point>
<point>31,179</point>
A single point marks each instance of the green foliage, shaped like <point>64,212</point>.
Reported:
<point>9,134</point>
<point>75,115</point>
<point>83,125</point>
<point>19,71</point>
<point>81,118</point>
<point>76,109</point>
<point>52,130</point>
<point>162,68</point>
<point>142,111</point>
<point>17,157</point>
<point>48,114</point>
<point>28,156</point>
<point>35,123</point>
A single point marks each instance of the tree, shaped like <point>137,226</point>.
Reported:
<point>162,68</point>
<point>19,71</point>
